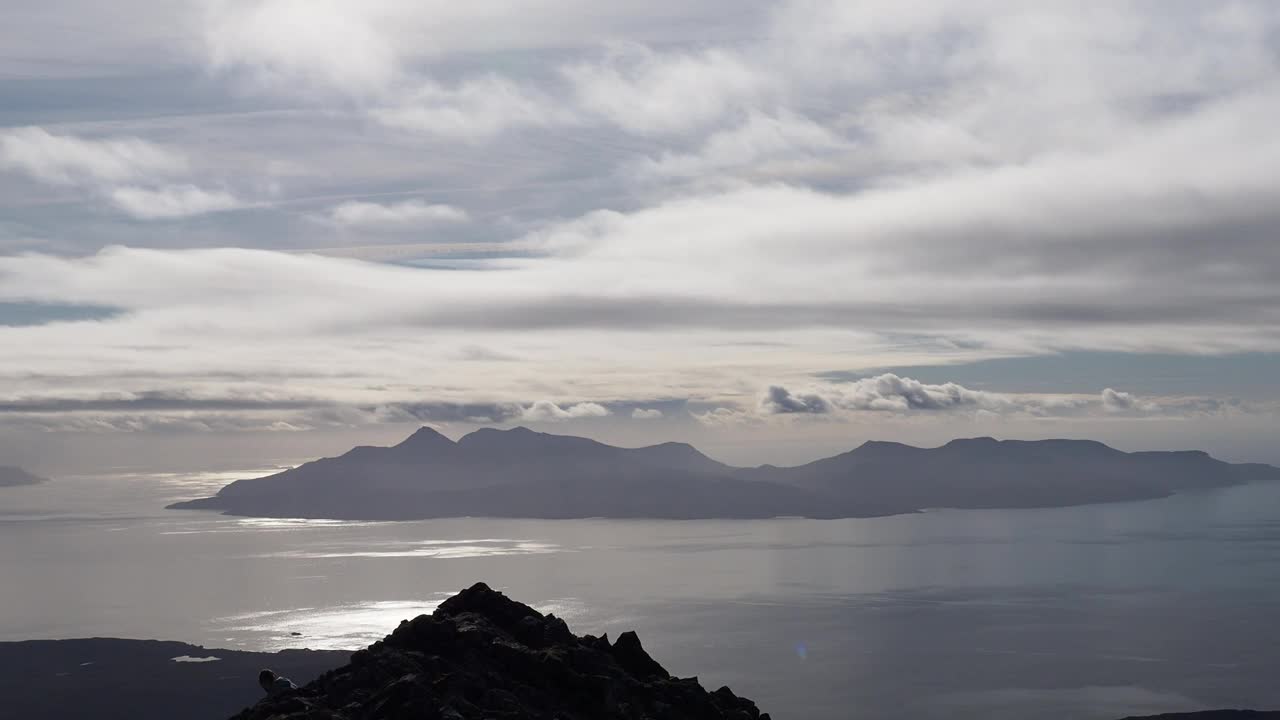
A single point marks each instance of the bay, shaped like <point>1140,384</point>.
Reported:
<point>1088,612</point>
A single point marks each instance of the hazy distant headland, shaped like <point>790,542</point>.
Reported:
<point>14,476</point>
<point>522,473</point>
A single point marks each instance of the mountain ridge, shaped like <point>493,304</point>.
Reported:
<point>519,472</point>
<point>13,476</point>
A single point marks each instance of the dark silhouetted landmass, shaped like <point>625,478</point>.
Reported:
<point>14,476</point>
<point>521,473</point>
<point>109,679</point>
<point>481,655</point>
<point>1215,715</point>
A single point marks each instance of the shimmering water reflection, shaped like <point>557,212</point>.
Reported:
<point>1093,612</point>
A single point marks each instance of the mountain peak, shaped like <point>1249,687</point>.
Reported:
<point>10,475</point>
<point>976,442</point>
<point>882,445</point>
<point>425,437</point>
<point>517,431</point>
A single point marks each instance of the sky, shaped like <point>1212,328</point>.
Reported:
<point>238,232</point>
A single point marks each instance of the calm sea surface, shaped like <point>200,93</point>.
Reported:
<point>1092,612</point>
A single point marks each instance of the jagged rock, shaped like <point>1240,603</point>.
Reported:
<point>483,656</point>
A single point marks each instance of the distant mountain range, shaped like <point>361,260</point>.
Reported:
<point>522,473</point>
<point>13,476</point>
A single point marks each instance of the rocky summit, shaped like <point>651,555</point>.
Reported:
<point>482,655</point>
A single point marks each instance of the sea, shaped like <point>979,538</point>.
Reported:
<point>1088,612</point>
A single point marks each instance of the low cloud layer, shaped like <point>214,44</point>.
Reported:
<point>889,393</point>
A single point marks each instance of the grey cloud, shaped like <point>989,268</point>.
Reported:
<point>890,393</point>
<point>450,412</point>
<point>674,311</point>
<point>24,314</point>
<point>777,400</point>
<point>152,401</point>
<point>1025,177</point>
<point>173,411</point>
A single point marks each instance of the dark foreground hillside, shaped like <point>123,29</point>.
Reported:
<point>481,655</point>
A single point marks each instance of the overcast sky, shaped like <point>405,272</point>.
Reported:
<point>265,230</point>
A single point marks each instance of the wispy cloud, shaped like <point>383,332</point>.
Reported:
<point>71,160</point>
<point>407,213</point>
<point>171,201</point>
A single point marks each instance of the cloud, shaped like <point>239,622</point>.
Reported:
<point>778,400</point>
<point>187,410</point>
<point>725,417</point>
<point>171,201</point>
<point>889,393</point>
<point>474,110</point>
<point>703,209</point>
<point>71,160</point>
<point>547,411</point>
<point>760,146</point>
<point>409,213</point>
<point>447,412</point>
<point>646,92</point>
<point>319,44</point>
<point>125,170</point>
<point>646,414</point>
<point>1116,400</point>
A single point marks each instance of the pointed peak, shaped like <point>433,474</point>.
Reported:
<point>425,437</point>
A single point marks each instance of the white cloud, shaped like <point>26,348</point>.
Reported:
<point>547,411</point>
<point>725,417</point>
<point>171,201</point>
<point>729,200</point>
<point>646,414</point>
<point>318,44</point>
<point>133,174</point>
<point>752,146</point>
<point>474,110</point>
<point>71,160</point>
<point>646,92</point>
<point>409,213</point>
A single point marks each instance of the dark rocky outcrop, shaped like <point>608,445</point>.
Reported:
<point>481,656</point>
<point>521,473</point>
<point>14,476</point>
